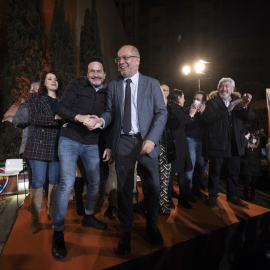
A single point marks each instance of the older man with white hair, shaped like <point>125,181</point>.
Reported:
<point>225,139</point>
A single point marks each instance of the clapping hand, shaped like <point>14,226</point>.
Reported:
<point>246,99</point>
<point>233,104</point>
<point>193,109</point>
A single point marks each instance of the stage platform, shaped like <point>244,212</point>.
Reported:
<point>200,238</point>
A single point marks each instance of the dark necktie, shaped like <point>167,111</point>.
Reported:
<point>127,108</point>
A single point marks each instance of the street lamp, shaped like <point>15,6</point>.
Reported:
<point>199,67</point>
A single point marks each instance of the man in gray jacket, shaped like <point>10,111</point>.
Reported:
<point>135,104</point>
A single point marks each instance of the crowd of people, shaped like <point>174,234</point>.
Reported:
<point>139,127</point>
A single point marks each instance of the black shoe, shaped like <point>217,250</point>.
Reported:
<point>80,208</point>
<point>59,251</point>
<point>182,201</point>
<point>200,194</point>
<point>190,198</point>
<point>137,209</point>
<point>238,202</point>
<point>92,221</point>
<point>213,203</point>
<point>154,236</point>
<point>109,212</point>
<point>174,194</point>
<point>124,244</point>
<point>171,204</point>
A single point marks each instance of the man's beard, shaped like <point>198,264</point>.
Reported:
<point>101,82</point>
<point>224,95</point>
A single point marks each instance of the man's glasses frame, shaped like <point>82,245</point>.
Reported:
<point>125,58</point>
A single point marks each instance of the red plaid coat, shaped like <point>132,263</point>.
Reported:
<point>43,133</point>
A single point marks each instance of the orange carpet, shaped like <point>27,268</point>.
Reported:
<point>91,249</point>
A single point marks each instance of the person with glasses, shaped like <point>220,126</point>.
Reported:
<point>135,105</point>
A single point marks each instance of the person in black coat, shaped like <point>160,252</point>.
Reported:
<point>166,157</point>
<point>225,139</point>
<point>251,165</point>
<point>183,162</point>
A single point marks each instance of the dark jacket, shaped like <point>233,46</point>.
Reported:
<point>196,128</point>
<point>167,138</point>
<point>43,132</point>
<point>225,131</point>
<point>251,161</point>
<point>183,161</point>
<point>80,97</point>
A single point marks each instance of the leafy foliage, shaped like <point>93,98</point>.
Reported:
<point>26,47</point>
<point>90,44</point>
<point>61,48</point>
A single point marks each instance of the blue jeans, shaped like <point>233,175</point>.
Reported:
<point>195,150</point>
<point>69,151</point>
<point>39,171</point>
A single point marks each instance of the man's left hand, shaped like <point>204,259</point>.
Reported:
<point>147,147</point>
<point>246,100</point>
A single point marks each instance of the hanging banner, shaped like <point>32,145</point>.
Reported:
<point>268,109</point>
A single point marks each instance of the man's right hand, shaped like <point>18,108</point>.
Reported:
<point>233,104</point>
<point>93,123</point>
<point>82,118</point>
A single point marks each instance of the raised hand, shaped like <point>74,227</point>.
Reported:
<point>193,109</point>
<point>233,104</point>
<point>246,99</point>
<point>201,108</point>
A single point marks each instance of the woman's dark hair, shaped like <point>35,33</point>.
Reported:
<point>174,94</point>
<point>43,89</point>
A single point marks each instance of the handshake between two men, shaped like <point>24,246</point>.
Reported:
<point>92,122</point>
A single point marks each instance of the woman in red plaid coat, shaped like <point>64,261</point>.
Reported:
<point>41,146</point>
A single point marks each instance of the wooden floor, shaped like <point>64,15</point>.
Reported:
<point>91,249</point>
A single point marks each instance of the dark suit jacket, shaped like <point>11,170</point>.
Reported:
<point>151,109</point>
<point>43,133</point>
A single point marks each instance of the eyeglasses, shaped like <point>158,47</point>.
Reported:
<point>125,58</point>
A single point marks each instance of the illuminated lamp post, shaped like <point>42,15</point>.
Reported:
<point>199,67</point>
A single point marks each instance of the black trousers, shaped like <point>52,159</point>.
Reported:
<point>128,152</point>
<point>232,171</point>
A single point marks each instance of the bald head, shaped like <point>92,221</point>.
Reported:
<point>131,49</point>
<point>128,60</point>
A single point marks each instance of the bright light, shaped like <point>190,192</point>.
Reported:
<point>186,70</point>
<point>199,67</point>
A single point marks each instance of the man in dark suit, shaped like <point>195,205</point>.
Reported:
<point>135,104</point>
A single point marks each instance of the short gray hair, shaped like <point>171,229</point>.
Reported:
<point>32,86</point>
<point>226,80</point>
